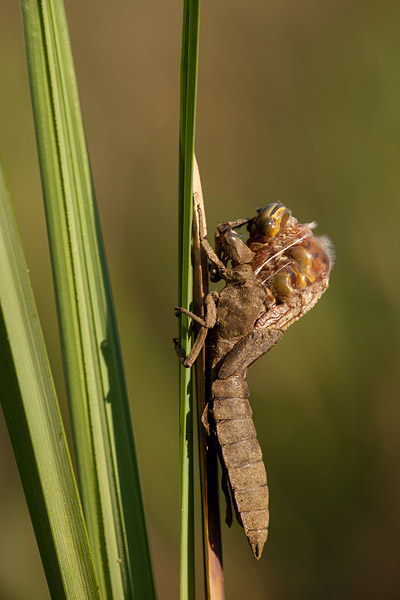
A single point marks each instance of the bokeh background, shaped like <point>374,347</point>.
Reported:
<point>297,102</point>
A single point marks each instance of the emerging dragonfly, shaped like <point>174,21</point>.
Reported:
<point>272,281</point>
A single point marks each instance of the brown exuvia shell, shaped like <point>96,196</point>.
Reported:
<point>253,311</point>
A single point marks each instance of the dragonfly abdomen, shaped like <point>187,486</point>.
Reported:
<point>234,429</point>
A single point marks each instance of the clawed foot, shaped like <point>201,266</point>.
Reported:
<point>179,353</point>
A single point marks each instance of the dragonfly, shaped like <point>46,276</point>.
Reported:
<point>271,280</point>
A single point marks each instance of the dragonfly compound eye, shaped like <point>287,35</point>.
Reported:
<point>271,219</point>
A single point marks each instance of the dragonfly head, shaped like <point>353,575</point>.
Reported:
<point>270,220</point>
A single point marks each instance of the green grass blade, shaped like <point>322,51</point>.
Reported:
<point>188,88</point>
<point>103,437</point>
<point>33,419</point>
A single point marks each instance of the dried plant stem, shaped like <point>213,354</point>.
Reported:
<point>214,576</point>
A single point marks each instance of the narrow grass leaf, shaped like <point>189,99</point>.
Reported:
<point>103,437</point>
<point>34,423</point>
<point>188,89</point>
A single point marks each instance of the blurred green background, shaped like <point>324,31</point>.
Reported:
<point>297,102</point>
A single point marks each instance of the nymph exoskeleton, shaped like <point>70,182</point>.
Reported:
<point>270,282</point>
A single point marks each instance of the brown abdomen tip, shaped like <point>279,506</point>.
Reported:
<point>257,540</point>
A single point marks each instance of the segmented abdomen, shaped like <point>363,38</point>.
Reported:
<point>236,435</point>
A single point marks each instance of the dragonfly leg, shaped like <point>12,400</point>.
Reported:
<point>179,309</point>
<point>207,323</point>
<point>228,246</point>
<point>213,258</point>
<point>247,350</point>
